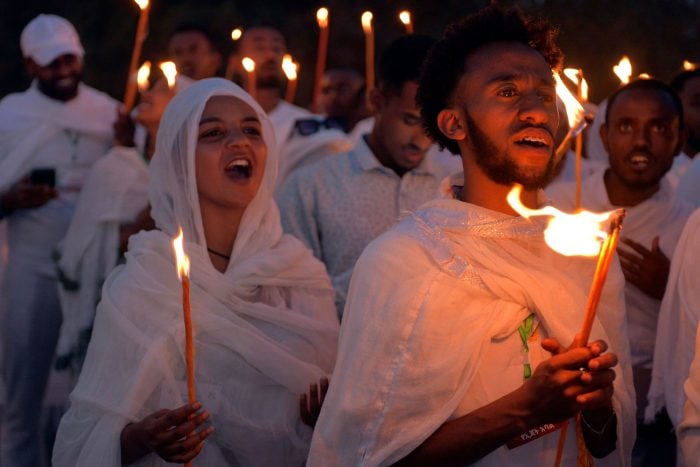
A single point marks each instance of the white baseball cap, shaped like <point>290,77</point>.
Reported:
<point>47,37</point>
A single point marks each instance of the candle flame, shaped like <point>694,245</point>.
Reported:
<point>644,76</point>
<point>289,67</point>
<point>367,22</point>
<point>623,69</point>
<point>405,17</point>
<point>322,17</point>
<point>182,260</point>
<point>142,76</point>
<point>143,4</point>
<point>689,66</point>
<point>579,234</point>
<point>248,64</point>
<point>574,74</point>
<point>574,110</point>
<point>170,72</point>
<point>236,33</point>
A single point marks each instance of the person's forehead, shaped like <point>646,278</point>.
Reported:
<point>643,103</point>
<point>507,59</point>
<point>691,87</point>
<point>342,77</point>
<point>262,34</point>
<point>187,37</point>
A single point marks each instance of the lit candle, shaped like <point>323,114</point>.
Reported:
<point>170,72</point>
<point>236,34</point>
<point>689,66</point>
<point>183,273</point>
<point>143,75</point>
<point>405,18</point>
<point>644,76</point>
<point>249,66</point>
<point>575,115</point>
<point>141,33</point>
<point>623,70</point>
<point>576,75</point>
<point>322,18</point>
<point>290,71</point>
<point>369,49</point>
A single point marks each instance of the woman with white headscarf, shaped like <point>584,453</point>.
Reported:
<point>262,308</point>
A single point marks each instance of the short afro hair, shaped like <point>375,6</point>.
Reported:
<point>653,85</point>
<point>402,62</point>
<point>678,83</point>
<point>446,61</point>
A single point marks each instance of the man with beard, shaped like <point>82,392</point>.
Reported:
<point>50,135</point>
<point>340,204</point>
<point>642,133</point>
<point>192,49</point>
<point>302,137</point>
<point>686,167</point>
<point>453,344</point>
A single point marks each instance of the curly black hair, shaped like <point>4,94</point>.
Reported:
<point>446,61</point>
<point>401,62</point>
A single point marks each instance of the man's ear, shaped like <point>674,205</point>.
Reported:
<point>451,124</point>
<point>376,100</point>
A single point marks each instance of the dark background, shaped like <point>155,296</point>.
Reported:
<point>657,35</point>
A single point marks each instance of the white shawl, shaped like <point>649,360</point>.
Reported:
<point>425,301</point>
<point>678,321</point>
<point>29,119</point>
<point>264,330</point>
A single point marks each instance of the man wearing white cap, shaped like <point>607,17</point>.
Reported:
<point>50,135</point>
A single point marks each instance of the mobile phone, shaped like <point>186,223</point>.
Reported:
<point>43,176</point>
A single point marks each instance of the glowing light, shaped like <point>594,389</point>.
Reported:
<point>170,72</point>
<point>405,17</point>
<point>623,69</point>
<point>289,67</point>
<point>367,22</point>
<point>322,17</point>
<point>182,260</point>
<point>142,76</point>
<point>644,76</point>
<point>574,109</point>
<point>143,4</point>
<point>248,64</point>
<point>689,66</point>
<point>579,234</point>
<point>573,74</point>
<point>236,33</point>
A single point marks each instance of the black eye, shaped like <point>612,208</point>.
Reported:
<point>211,133</point>
<point>508,92</point>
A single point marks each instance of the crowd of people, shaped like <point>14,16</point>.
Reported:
<point>362,292</point>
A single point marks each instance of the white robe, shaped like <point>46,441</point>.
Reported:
<point>264,329</point>
<point>432,302</point>
<point>115,192</point>
<point>689,429</point>
<point>678,321</point>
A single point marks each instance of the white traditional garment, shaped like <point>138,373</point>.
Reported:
<point>689,183</point>
<point>663,214</point>
<point>568,171</point>
<point>115,192</point>
<point>680,166</point>
<point>264,329</point>
<point>430,334</point>
<point>689,429</point>
<point>595,150</point>
<point>678,321</point>
<point>283,117</point>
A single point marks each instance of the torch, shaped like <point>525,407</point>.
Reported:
<point>249,66</point>
<point>369,49</point>
<point>236,34</point>
<point>141,33</point>
<point>576,75</point>
<point>322,16</point>
<point>290,71</point>
<point>405,18</point>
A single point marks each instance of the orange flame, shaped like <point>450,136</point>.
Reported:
<point>142,76</point>
<point>170,72</point>
<point>574,74</point>
<point>248,64</point>
<point>644,76</point>
<point>183,261</point>
<point>236,33</point>
<point>574,110</point>
<point>322,17</point>
<point>405,17</point>
<point>289,67</point>
<point>579,234</point>
<point>367,22</point>
<point>143,4</point>
<point>689,66</point>
<point>623,69</point>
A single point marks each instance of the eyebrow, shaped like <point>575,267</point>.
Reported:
<point>514,77</point>
<point>217,119</point>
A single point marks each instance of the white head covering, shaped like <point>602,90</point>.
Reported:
<point>264,329</point>
<point>47,37</point>
<point>173,168</point>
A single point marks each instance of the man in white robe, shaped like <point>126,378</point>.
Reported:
<point>676,335</point>
<point>642,134</point>
<point>687,85</point>
<point>63,126</point>
<point>433,364</point>
<point>689,429</point>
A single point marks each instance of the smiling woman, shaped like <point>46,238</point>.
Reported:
<point>262,308</point>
